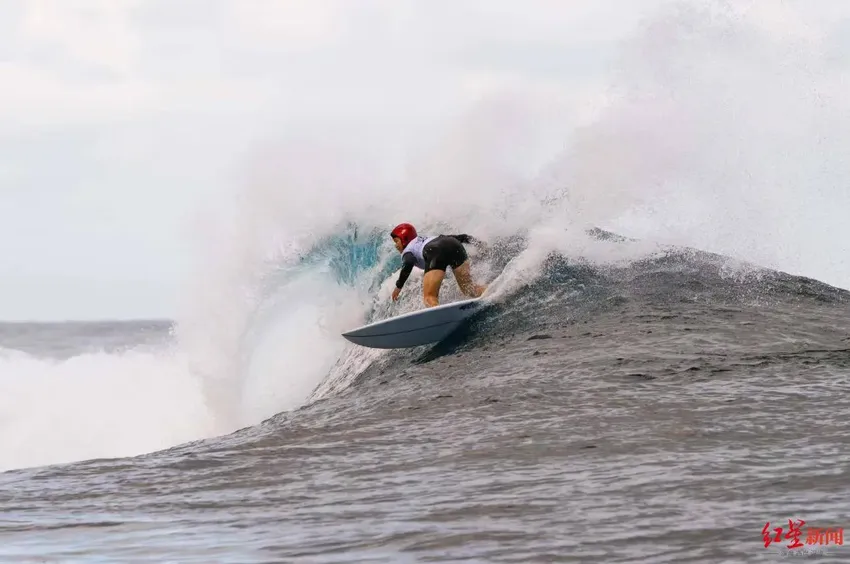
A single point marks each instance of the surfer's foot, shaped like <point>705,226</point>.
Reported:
<point>479,290</point>
<point>431,301</point>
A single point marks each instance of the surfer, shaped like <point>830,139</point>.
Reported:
<point>434,255</point>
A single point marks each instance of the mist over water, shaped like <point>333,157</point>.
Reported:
<point>726,132</point>
<point>723,129</point>
<point>95,405</point>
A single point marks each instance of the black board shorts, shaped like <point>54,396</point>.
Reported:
<point>442,252</point>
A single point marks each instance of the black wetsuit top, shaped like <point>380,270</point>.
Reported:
<point>440,253</point>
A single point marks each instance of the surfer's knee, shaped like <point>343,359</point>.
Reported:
<point>465,282</point>
<point>431,296</point>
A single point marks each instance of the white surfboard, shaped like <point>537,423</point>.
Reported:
<point>421,327</point>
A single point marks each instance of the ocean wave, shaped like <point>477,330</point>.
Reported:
<point>138,399</point>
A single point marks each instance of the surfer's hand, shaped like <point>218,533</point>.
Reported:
<point>396,292</point>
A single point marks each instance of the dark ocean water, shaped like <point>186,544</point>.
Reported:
<point>663,411</point>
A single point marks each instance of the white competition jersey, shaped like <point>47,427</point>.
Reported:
<point>415,247</point>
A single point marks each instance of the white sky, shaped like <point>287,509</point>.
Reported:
<point>119,118</point>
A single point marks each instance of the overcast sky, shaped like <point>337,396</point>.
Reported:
<point>119,119</point>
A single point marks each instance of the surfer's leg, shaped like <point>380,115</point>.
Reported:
<point>437,258</point>
<point>459,261</point>
<point>431,286</point>
<point>464,280</point>
<point>442,253</point>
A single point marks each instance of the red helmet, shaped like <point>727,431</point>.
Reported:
<point>405,232</point>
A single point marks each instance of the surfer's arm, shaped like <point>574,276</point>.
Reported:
<point>407,267</point>
<point>464,238</point>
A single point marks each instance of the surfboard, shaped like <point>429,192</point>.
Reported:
<point>421,327</point>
